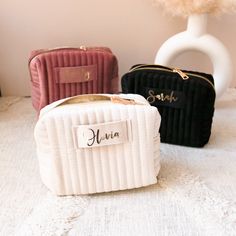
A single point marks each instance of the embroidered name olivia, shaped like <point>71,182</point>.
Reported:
<point>102,134</point>
<point>97,138</point>
<point>161,97</point>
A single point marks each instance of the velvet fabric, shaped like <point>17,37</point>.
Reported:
<point>91,143</point>
<point>65,72</point>
<point>186,106</point>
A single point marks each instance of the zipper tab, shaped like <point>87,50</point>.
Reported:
<point>181,73</point>
<point>84,48</point>
<point>124,101</point>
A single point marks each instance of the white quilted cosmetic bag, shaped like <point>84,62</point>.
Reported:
<point>98,143</point>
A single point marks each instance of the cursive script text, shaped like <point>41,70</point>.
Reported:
<point>96,137</point>
<point>161,97</point>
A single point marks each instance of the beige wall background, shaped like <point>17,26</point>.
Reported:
<point>133,29</point>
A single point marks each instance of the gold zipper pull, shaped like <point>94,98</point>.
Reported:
<point>181,73</point>
<point>125,101</point>
<point>84,48</point>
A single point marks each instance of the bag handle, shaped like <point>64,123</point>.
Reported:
<point>90,98</point>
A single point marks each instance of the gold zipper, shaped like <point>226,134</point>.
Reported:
<point>181,73</point>
<point>82,48</point>
<point>184,75</point>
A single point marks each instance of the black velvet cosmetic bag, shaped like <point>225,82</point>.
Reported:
<point>185,100</point>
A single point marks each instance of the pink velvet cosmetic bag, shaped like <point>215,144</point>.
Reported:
<point>64,72</point>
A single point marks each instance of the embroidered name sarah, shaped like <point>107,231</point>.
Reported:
<point>161,97</point>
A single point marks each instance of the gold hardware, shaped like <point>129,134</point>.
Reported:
<point>65,47</point>
<point>83,48</point>
<point>90,98</point>
<point>125,101</point>
<point>169,69</point>
<point>181,73</point>
<point>99,97</point>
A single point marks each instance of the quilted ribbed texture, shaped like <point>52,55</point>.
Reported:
<point>67,170</point>
<point>45,87</point>
<point>188,125</point>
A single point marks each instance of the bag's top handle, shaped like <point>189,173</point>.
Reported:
<point>90,98</point>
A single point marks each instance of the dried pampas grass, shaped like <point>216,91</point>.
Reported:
<point>188,7</point>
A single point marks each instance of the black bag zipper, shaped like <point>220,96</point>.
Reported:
<point>183,74</point>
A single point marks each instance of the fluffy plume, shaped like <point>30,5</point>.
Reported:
<point>188,7</point>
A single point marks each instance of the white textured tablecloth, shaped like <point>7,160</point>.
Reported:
<point>195,193</point>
